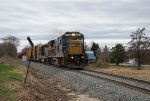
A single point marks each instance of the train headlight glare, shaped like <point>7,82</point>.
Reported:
<point>73,34</point>
<point>72,57</point>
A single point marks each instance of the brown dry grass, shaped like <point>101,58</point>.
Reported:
<point>143,74</point>
<point>9,60</point>
<point>41,87</point>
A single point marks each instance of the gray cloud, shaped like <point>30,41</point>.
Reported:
<point>48,19</point>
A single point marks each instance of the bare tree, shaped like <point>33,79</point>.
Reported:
<point>2,50</point>
<point>12,40</point>
<point>138,45</point>
<point>105,54</point>
<point>10,45</point>
<point>98,54</point>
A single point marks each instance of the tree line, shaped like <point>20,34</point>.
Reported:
<point>8,46</point>
<point>138,48</point>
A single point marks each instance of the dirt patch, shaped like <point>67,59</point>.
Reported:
<point>42,87</point>
<point>82,97</point>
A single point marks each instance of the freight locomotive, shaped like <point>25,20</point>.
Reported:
<point>67,51</point>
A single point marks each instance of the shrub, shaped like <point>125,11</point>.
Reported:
<point>9,60</point>
<point>100,63</point>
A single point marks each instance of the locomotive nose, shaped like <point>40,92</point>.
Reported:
<point>75,47</point>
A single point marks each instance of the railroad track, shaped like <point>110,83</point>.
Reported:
<point>135,84</point>
<point>131,83</point>
<point>94,86</point>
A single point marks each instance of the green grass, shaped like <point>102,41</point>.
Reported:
<point>8,75</point>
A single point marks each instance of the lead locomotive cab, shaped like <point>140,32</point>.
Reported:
<point>68,50</point>
<point>73,49</point>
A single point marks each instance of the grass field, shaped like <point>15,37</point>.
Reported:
<point>128,71</point>
<point>10,82</point>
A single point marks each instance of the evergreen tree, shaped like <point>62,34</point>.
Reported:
<point>118,54</point>
<point>94,48</point>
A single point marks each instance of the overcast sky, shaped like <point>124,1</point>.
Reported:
<point>106,22</point>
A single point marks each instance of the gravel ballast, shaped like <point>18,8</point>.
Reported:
<point>92,86</point>
<point>137,83</point>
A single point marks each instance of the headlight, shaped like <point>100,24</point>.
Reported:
<point>72,57</point>
<point>73,34</point>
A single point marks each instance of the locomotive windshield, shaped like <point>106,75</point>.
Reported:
<point>76,45</point>
<point>76,42</point>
